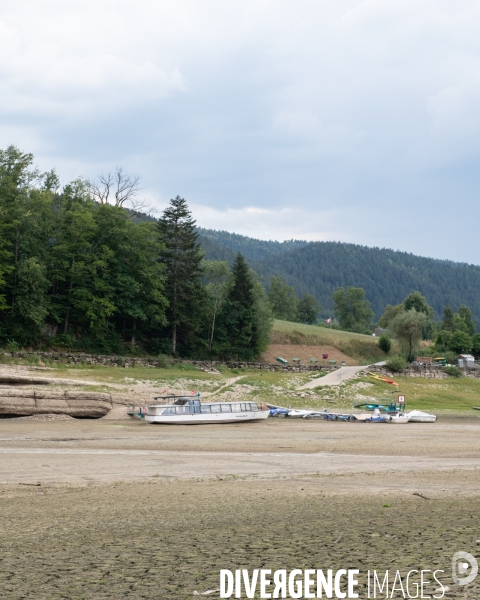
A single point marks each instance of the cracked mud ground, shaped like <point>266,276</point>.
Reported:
<point>158,538</point>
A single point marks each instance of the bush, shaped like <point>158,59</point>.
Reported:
<point>384,343</point>
<point>450,357</point>
<point>453,371</point>
<point>12,346</point>
<point>164,361</point>
<point>396,364</point>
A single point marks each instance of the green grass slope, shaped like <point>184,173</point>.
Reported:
<point>360,347</point>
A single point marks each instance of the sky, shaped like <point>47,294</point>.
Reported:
<point>345,120</point>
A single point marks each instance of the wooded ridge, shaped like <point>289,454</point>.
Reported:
<point>319,268</point>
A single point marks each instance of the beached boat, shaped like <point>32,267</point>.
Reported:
<point>298,413</point>
<point>417,416</point>
<point>185,410</point>
<point>399,418</point>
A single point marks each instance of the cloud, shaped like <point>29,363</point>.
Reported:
<point>330,116</point>
<point>261,223</point>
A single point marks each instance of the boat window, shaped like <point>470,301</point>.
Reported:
<point>253,406</point>
<point>215,408</point>
<point>181,400</point>
<point>245,406</point>
<point>170,410</point>
<point>226,407</point>
<point>183,410</point>
<point>206,408</point>
<point>237,407</point>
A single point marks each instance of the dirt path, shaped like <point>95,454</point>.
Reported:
<point>226,385</point>
<point>334,378</point>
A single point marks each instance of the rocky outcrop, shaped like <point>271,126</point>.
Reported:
<point>22,402</point>
<point>28,380</point>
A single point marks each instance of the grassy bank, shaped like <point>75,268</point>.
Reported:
<point>360,347</point>
<point>430,394</point>
<point>272,387</point>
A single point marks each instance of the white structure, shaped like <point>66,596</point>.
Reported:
<point>184,410</point>
<point>465,360</point>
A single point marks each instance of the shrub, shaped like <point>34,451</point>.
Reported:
<point>384,343</point>
<point>453,371</point>
<point>396,364</point>
<point>450,357</point>
<point>164,361</point>
<point>12,346</point>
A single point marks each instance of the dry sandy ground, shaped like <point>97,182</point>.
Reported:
<point>128,510</point>
<point>77,451</point>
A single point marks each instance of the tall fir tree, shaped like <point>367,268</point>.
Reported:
<point>448,319</point>
<point>182,258</point>
<point>239,335</point>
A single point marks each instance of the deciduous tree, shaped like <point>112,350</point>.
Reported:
<point>352,309</point>
<point>215,276</point>
<point>308,309</point>
<point>460,342</point>
<point>407,328</point>
<point>283,300</point>
<point>389,314</point>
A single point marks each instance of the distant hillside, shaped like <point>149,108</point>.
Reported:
<point>251,248</point>
<point>320,267</point>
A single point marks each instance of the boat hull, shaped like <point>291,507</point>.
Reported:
<point>417,416</point>
<point>400,419</point>
<point>209,418</point>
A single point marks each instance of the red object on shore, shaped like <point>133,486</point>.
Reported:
<point>324,356</point>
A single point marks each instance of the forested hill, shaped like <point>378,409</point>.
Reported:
<point>252,249</point>
<point>319,268</point>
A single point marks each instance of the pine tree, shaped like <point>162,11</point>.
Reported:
<point>448,316</point>
<point>239,335</point>
<point>182,258</point>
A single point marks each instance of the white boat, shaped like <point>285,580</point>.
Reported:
<point>185,410</point>
<point>399,418</point>
<point>299,413</point>
<point>417,416</point>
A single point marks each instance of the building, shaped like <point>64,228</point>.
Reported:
<point>465,360</point>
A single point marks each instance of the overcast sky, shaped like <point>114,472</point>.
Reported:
<point>346,120</point>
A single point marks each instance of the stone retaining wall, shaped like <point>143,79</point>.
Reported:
<point>130,361</point>
<point>426,371</point>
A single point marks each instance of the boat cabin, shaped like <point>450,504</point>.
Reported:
<point>184,405</point>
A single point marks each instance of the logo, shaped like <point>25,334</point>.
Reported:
<point>464,568</point>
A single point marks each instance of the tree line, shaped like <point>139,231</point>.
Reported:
<point>320,268</point>
<point>78,270</point>
<point>410,322</point>
<point>82,267</point>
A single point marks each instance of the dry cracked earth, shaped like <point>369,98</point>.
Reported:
<point>104,509</point>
